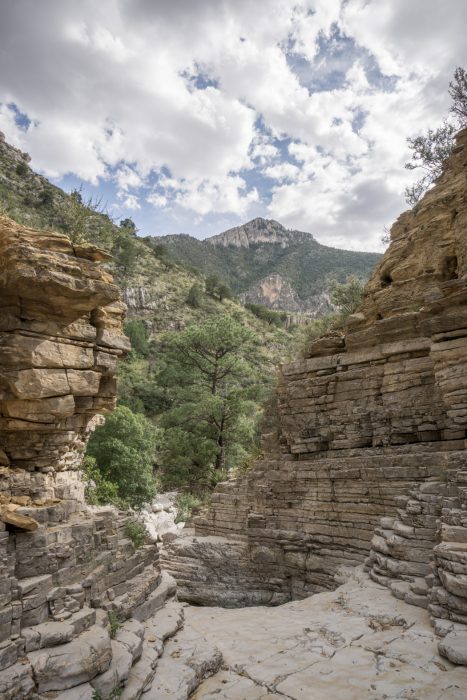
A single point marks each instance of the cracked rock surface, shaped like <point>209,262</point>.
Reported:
<point>356,643</point>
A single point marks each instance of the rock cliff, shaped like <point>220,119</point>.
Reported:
<point>369,462</point>
<point>63,567</point>
<point>258,231</point>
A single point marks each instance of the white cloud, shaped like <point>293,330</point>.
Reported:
<point>113,94</point>
<point>157,200</point>
<point>282,171</point>
<point>130,201</point>
<point>206,196</point>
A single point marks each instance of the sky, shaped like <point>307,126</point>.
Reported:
<point>193,116</point>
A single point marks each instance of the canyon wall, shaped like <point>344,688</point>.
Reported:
<point>369,460</point>
<point>63,566</point>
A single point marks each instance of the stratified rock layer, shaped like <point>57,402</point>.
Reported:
<point>60,339</point>
<point>372,425</point>
<point>63,567</point>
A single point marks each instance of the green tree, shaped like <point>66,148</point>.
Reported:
<point>216,288</point>
<point>224,292</point>
<point>428,153</point>
<point>347,296</point>
<point>212,284</point>
<point>129,226</point>
<point>126,252</point>
<point>123,449</point>
<point>138,335</point>
<point>195,296</point>
<point>211,423</point>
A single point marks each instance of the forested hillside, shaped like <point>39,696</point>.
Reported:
<point>248,256</point>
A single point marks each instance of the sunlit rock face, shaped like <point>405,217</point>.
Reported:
<point>371,425</point>
<point>60,339</point>
<point>64,566</point>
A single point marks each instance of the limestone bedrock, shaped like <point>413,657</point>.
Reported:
<point>367,462</point>
<point>355,643</point>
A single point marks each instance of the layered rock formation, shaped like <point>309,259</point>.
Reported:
<point>62,566</point>
<point>372,425</point>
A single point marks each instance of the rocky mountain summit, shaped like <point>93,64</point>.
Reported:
<point>258,231</point>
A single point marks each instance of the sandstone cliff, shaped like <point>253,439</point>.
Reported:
<point>63,567</point>
<point>372,425</point>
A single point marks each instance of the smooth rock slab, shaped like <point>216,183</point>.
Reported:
<point>355,643</point>
<point>68,665</point>
<point>454,647</point>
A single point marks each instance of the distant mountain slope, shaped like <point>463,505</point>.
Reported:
<point>265,263</point>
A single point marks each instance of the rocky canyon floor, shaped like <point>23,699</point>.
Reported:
<point>355,643</point>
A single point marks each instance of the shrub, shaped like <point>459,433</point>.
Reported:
<point>195,296</point>
<point>185,503</point>
<point>46,197</point>
<point>137,532</point>
<point>347,296</point>
<point>22,169</point>
<point>273,318</point>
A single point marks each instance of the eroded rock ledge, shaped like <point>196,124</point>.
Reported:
<point>372,425</point>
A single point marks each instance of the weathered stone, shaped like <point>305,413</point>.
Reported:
<point>9,514</point>
<point>66,666</point>
<point>454,647</point>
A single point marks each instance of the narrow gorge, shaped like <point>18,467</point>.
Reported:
<point>344,545</point>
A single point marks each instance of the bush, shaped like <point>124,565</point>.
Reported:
<point>185,503</point>
<point>22,169</point>
<point>195,296</point>
<point>216,289</point>
<point>123,449</point>
<point>137,532</point>
<point>273,318</point>
<point>46,197</point>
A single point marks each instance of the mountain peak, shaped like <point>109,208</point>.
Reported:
<point>258,231</point>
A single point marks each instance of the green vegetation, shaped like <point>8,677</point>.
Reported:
<point>114,694</point>
<point>430,150</point>
<point>346,297</point>
<point>136,532</point>
<point>123,450</point>
<point>138,335</point>
<point>114,623</point>
<point>98,490</point>
<point>272,318</point>
<point>195,296</point>
<point>185,504</point>
<point>216,288</point>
